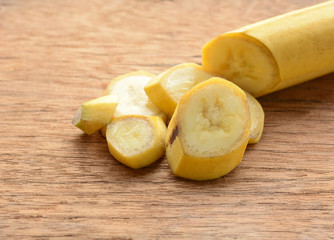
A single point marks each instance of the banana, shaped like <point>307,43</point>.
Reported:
<point>132,98</point>
<point>275,53</point>
<point>136,133</point>
<point>209,130</point>
<point>136,140</point>
<point>95,114</point>
<point>166,89</point>
<point>257,119</point>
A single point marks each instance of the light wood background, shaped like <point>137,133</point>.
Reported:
<point>58,183</point>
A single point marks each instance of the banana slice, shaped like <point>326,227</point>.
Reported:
<point>136,141</point>
<point>257,119</point>
<point>166,90</point>
<point>275,53</point>
<point>95,114</point>
<point>209,130</point>
<point>132,98</point>
<point>242,60</point>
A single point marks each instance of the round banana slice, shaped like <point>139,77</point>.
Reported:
<point>135,140</point>
<point>132,98</point>
<point>95,114</point>
<point>257,119</point>
<point>209,130</point>
<point>166,90</point>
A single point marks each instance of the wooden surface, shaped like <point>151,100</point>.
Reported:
<point>58,183</point>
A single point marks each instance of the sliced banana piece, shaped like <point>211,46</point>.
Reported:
<point>209,130</point>
<point>275,53</point>
<point>166,90</point>
<point>135,140</point>
<point>95,114</point>
<point>257,119</point>
<point>132,98</point>
<point>243,60</point>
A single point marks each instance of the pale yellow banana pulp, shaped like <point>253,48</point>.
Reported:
<point>95,114</point>
<point>132,98</point>
<point>166,89</point>
<point>275,53</point>
<point>209,130</point>
<point>136,141</point>
<point>257,119</point>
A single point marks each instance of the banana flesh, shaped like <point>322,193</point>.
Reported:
<point>166,89</point>
<point>137,131</point>
<point>132,98</point>
<point>135,140</point>
<point>275,53</point>
<point>209,130</point>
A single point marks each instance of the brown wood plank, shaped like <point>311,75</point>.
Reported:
<point>58,183</point>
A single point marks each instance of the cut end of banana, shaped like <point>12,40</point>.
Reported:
<point>214,119</point>
<point>257,119</point>
<point>136,141</point>
<point>132,98</point>
<point>95,114</point>
<point>209,130</point>
<point>166,89</point>
<point>243,60</point>
<point>180,79</point>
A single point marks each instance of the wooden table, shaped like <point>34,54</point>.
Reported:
<point>56,182</point>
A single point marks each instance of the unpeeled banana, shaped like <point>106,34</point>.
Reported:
<point>275,53</point>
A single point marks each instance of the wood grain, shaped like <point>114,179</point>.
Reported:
<point>58,183</point>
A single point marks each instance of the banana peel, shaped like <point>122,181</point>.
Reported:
<point>257,119</point>
<point>95,114</point>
